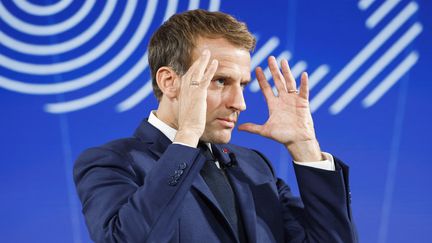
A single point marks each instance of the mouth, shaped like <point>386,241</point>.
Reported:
<point>227,122</point>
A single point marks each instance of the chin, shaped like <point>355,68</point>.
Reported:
<point>223,140</point>
<point>220,137</point>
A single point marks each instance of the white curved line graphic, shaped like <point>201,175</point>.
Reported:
<point>46,29</point>
<point>102,94</point>
<point>214,5</point>
<point>193,4</point>
<point>136,98</point>
<point>61,67</point>
<point>115,87</point>
<point>38,10</point>
<point>93,77</point>
<point>171,9</point>
<point>146,89</point>
<point>68,45</point>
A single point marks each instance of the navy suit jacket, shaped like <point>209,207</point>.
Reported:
<point>146,189</point>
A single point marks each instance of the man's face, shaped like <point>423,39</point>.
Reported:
<point>225,98</point>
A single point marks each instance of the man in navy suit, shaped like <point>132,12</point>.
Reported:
<point>179,180</point>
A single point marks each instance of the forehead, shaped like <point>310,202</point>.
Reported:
<point>233,61</point>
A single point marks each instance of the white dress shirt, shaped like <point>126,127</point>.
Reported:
<point>170,133</point>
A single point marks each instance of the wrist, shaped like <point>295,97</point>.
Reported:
<point>187,137</point>
<point>305,151</point>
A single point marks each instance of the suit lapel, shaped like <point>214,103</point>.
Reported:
<point>159,143</point>
<point>149,134</point>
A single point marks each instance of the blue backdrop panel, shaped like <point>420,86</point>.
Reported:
<point>74,74</point>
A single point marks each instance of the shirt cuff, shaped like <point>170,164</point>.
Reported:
<point>327,164</point>
<point>183,144</point>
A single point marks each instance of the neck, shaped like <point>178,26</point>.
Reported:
<point>167,114</point>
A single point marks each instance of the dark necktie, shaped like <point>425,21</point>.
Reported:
<point>220,187</point>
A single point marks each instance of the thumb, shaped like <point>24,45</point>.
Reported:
<point>250,127</point>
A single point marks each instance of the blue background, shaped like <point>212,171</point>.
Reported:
<point>387,145</point>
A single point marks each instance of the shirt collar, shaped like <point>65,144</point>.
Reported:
<point>168,131</point>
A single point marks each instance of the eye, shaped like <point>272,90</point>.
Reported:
<point>220,81</point>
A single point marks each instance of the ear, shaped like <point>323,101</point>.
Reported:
<point>167,80</point>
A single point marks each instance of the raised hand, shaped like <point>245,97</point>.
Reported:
<point>192,99</point>
<point>290,120</point>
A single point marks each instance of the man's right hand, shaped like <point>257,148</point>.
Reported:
<point>192,99</point>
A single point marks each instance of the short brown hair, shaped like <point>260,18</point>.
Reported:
<point>172,44</point>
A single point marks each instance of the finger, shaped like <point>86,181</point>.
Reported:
<point>251,127</point>
<point>208,75</point>
<point>264,85</point>
<point>278,78</point>
<point>194,65</point>
<point>289,78</point>
<point>190,73</point>
<point>304,86</point>
<point>198,71</point>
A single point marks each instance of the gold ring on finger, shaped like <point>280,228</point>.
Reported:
<point>292,91</point>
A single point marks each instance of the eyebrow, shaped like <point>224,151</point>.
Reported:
<point>227,76</point>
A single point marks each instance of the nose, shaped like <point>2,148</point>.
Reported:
<point>236,99</point>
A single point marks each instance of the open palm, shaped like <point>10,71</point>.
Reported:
<point>290,120</point>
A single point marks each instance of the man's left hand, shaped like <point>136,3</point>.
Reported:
<point>290,120</point>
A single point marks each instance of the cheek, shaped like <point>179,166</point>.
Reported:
<point>214,101</point>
